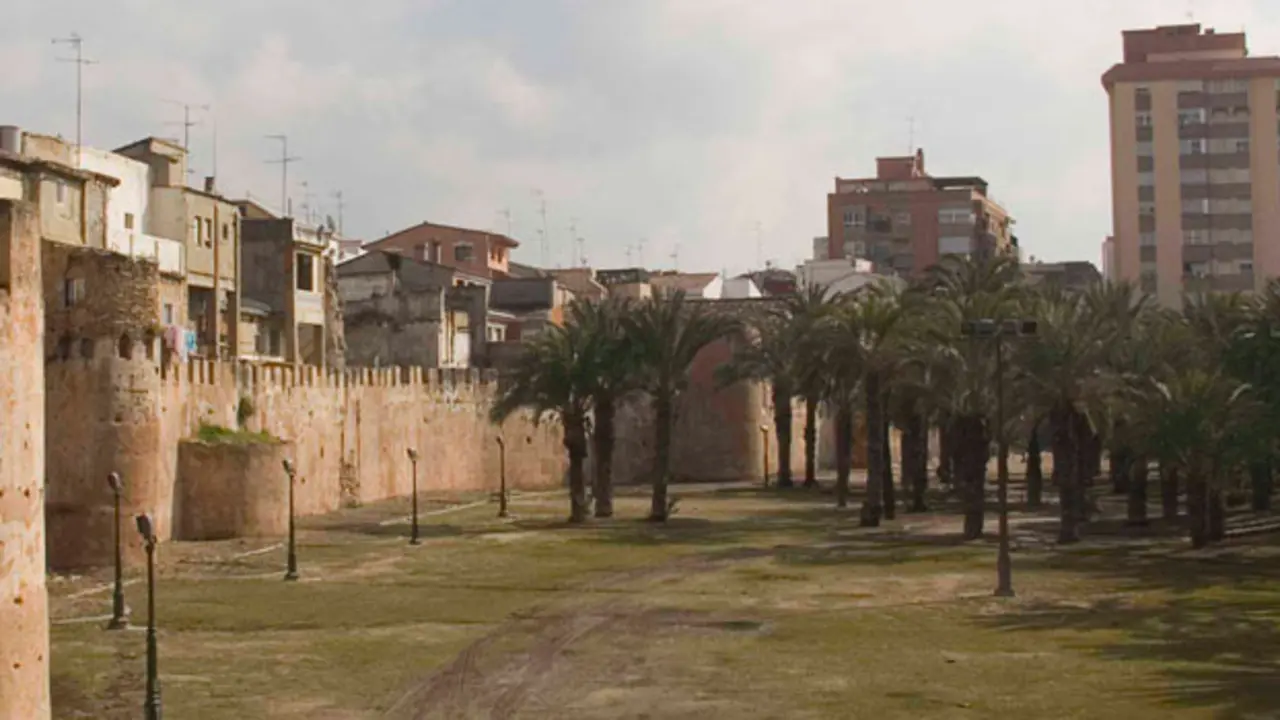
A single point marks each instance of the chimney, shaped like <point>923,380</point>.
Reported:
<point>209,185</point>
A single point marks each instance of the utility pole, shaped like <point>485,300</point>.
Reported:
<point>546,240</point>
<point>337,196</point>
<point>77,44</point>
<point>505,213</point>
<point>573,239</point>
<point>285,159</point>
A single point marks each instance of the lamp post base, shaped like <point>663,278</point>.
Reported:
<point>118,624</point>
<point>291,576</point>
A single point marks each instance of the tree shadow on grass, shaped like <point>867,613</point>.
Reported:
<point>1211,620</point>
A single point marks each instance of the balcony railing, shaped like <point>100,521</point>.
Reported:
<point>170,255</point>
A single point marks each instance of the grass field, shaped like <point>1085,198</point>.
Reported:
<point>749,604</point>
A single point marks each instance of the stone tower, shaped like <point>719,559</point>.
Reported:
<point>24,609</point>
<point>102,403</point>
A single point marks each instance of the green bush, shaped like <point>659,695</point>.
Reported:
<point>219,435</point>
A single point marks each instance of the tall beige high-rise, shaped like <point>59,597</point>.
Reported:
<point>1195,162</point>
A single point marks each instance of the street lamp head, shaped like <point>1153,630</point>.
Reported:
<point>113,480</point>
<point>145,528</point>
<point>288,466</point>
<point>413,454</point>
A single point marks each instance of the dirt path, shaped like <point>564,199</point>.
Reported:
<point>522,662</point>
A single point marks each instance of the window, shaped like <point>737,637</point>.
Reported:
<point>1191,147</point>
<point>128,221</point>
<point>1143,149</point>
<point>1196,269</point>
<point>197,230</point>
<point>855,217</point>
<point>954,245</point>
<point>1191,117</point>
<point>1143,119</point>
<point>1246,266</point>
<point>1146,208</point>
<point>1228,85</point>
<point>463,252</point>
<point>306,270</point>
<point>1195,206</point>
<point>72,291</point>
<point>226,232</point>
<point>1146,179</point>
<point>1195,237</point>
<point>1147,239</point>
<point>208,231</point>
<point>955,216</point>
<point>1242,146</point>
<point>60,191</point>
<point>168,313</point>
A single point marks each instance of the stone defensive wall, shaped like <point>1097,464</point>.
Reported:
<point>114,407</point>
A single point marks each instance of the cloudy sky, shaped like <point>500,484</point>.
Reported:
<point>696,125</point>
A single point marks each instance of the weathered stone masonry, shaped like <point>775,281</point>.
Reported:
<point>24,616</point>
<point>120,411</point>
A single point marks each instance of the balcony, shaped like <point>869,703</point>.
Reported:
<point>170,255</point>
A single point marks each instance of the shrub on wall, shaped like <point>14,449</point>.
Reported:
<point>244,411</point>
<point>218,435</point>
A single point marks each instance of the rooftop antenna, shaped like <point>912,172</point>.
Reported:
<point>187,123</point>
<point>337,197</point>
<point>77,44</point>
<point>582,252</point>
<point>573,237</point>
<point>628,255</point>
<point>285,159</point>
<point>546,241</point>
<point>675,258</point>
<point>640,251</point>
<point>505,213</point>
<point>306,201</point>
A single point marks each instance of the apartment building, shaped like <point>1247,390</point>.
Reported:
<point>209,227</point>
<point>1195,162</point>
<point>473,251</point>
<point>904,220</point>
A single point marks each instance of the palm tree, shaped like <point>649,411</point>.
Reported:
<point>553,378</point>
<point>616,374</point>
<point>668,332</point>
<point>962,291</point>
<point>806,311</point>
<point>1195,421</point>
<point>876,343</point>
<point>843,371</point>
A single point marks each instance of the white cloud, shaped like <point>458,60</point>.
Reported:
<point>683,122</point>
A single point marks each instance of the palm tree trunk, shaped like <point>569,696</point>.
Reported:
<point>664,418</point>
<point>1088,466</point>
<point>844,452</point>
<point>603,440</point>
<point>1065,458</point>
<point>782,428</point>
<point>946,450</point>
<point>1168,491</point>
<point>890,490</point>
<point>575,441</point>
<point>1137,488</point>
<point>872,506</point>
<point>973,452</point>
<point>1261,482</point>
<point>811,441</point>
<point>1197,509</point>
<point>1035,474</point>
<point>1119,462</point>
<point>915,460</point>
<point>1216,515</point>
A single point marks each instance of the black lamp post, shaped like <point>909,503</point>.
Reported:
<point>292,572</point>
<point>764,442</point>
<point>997,331</point>
<point>502,476</point>
<point>413,532</point>
<point>151,708</point>
<point>119,620</point>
